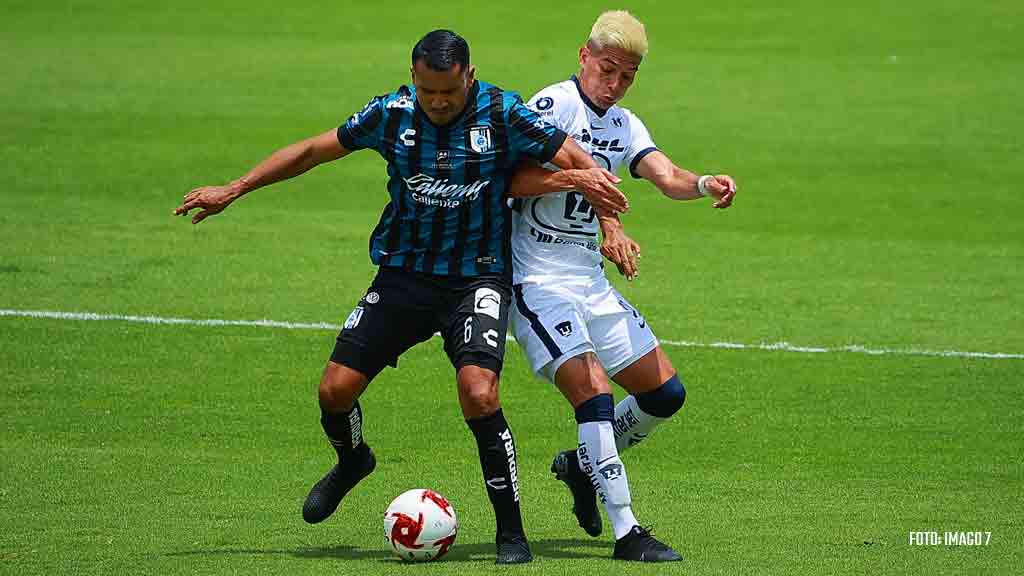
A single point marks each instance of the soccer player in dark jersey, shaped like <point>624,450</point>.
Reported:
<point>443,251</point>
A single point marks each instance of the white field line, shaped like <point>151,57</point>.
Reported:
<point>777,346</point>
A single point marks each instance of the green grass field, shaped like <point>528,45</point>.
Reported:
<point>878,150</point>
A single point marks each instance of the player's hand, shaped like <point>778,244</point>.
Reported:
<point>209,200</point>
<point>598,186</point>
<point>723,189</point>
<point>620,248</point>
<point>624,253</point>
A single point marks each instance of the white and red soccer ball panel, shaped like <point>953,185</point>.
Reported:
<point>420,525</point>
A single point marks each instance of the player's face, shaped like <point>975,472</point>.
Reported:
<point>606,75</point>
<point>442,94</point>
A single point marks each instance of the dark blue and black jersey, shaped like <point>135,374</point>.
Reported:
<point>447,215</point>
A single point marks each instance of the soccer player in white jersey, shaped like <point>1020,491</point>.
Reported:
<point>575,328</point>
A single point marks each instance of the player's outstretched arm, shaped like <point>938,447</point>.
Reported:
<point>680,184</point>
<point>288,162</point>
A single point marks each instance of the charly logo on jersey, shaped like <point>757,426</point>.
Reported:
<point>480,139</point>
<point>433,192</point>
<point>408,137</point>
<point>487,301</point>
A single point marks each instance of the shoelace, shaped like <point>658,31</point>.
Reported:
<point>646,533</point>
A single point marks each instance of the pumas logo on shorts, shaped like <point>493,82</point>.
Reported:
<point>372,298</point>
<point>488,302</point>
<point>565,328</point>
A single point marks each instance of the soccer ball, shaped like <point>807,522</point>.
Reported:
<point>420,525</point>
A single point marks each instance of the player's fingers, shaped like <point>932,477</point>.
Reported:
<point>625,266</point>
<point>728,182</point>
<point>610,176</point>
<point>603,201</point>
<point>622,271</point>
<point>194,203</point>
<point>634,257</point>
<point>630,265</point>
<point>608,197</point>
<point>726,200</point>
<point>618,200</point>
<point>186,207</point>
<point>201,215</point>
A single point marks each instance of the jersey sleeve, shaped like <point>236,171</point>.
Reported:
<point>530,134</point>
<point>364,129</point>
<point>550,104</point>
<point>640,143</point>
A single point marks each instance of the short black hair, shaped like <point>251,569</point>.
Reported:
<point>441,50</point>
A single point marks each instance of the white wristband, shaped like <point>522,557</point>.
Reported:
<point>702,184</point>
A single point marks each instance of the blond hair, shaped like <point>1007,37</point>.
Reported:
<point>619,29</point>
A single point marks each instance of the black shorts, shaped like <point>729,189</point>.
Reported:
<point>402,309</point>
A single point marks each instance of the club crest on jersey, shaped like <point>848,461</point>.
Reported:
<point>565,328</point>
<point>480,139</point>
<point>353,319</point>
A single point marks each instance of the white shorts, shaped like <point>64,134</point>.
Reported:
<point>555,321</point>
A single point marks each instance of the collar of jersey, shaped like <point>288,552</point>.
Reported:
<point>470,101</point>
<point>590,104</point>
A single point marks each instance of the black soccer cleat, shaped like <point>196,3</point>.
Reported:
<point>326,494</point>
<point>584,499</point>
<point>641,546</point>
<point>513,549</point>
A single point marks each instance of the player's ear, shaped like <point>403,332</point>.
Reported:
<point>412,74</point>
<point>470,75</point>
<point>584,54</point>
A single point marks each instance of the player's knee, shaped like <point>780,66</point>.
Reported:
<point>339,388</point>
<point>478,391</point>
<point>665,400</point>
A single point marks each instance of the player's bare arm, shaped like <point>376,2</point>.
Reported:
<point>288,162</point>
<point>603,195</point>
<point>532,179</point>
<point>680,184</point>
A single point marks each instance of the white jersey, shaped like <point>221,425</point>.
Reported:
<point>557,234</point>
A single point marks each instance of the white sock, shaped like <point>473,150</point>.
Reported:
<point>599,460</point>
<point>632,425</point>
